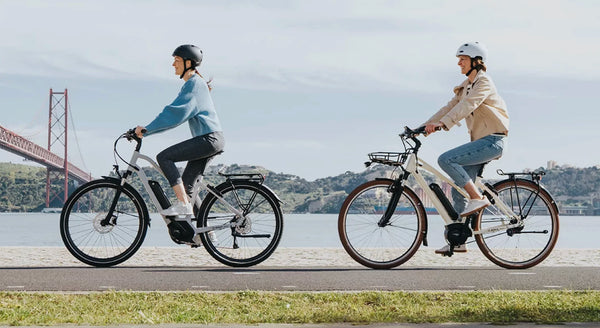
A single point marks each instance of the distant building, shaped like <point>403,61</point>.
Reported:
<point>551,165</point>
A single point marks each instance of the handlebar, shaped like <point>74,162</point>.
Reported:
<point>410,133</point>
<point>130,135</point>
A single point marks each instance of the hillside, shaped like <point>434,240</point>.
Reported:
<point>22,187</point>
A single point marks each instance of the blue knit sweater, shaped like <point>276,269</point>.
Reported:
<point>193,105</point>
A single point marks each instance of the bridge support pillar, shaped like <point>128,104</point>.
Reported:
<point>57,143</point>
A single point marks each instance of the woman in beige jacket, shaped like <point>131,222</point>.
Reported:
<point>478,103</point>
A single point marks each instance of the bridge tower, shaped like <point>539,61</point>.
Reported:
<point>57,143</point>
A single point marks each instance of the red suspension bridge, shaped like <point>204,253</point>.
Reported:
<point>58,168</point>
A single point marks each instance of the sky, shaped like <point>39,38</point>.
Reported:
<point>303,87</point>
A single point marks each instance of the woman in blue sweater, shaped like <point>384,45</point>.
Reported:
<point>195,106</point>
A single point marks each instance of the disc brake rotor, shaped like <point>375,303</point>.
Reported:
<point>244,226</point>
<point>98,224</point>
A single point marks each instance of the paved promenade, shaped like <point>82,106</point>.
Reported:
<point>284,257</point>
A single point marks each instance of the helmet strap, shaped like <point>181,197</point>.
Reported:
<point>471,71</point>
<point>473,68</point>
<point>185,68</point>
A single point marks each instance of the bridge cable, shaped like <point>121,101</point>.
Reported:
<point>76,138</point>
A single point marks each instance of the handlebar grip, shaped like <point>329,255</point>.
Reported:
<point>408,132</point>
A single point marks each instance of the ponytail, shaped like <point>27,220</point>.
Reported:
<point>478,64</point>
<point>208,83</point>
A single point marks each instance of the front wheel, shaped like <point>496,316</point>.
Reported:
<point>97,235</point>
<point>250,239</point>
<point>376,244</point>
<point>529,243</point>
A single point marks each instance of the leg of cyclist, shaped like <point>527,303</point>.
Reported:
<point>459,201</point>
<point>462,164</point>
<point>193,149</point>
<point>476,152</point>
<point>208,146</point>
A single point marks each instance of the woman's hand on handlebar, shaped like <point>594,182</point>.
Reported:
<point>432,127</point>
<point>139,131</point>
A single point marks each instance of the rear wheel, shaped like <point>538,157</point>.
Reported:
<point>528,244</point>
<point>254,237</point>
<point>363,236</point>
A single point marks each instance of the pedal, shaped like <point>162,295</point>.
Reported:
<point>196,241</point>
<point>450,252</point>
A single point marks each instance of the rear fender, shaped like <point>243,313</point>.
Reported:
<point>542,190</point>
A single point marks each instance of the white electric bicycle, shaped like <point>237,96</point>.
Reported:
<point>104,222</point>
<point>383,222</point>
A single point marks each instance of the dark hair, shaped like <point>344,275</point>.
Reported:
<point>208,82</point>
<point>478,64</point>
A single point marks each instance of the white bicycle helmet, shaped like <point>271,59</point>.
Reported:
<point>473,49</point>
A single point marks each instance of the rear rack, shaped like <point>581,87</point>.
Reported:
<point>256,177</point>
<point>535,176</point>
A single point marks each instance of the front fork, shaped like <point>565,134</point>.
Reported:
<point>110,218</point>
<point>396,189</point>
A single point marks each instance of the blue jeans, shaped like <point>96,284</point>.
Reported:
<point>464,162</point>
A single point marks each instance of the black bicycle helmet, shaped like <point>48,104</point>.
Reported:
<point>188,52</point>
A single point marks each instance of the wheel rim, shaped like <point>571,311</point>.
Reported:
<point>262,217</point>
<point>96,243</point>
<point>524,246</point>
<point>374,245</point>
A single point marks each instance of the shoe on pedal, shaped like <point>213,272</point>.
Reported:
<point>457,249</point>
<point>212,236</point>
<point>474,206</point>
<point>179,208</point>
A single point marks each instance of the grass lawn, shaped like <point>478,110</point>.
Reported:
<point>249,307</point>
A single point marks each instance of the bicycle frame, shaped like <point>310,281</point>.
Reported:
<point>194,199</point>
<point>414,164</point>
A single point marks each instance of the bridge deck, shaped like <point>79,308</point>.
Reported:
<point>21,146</point>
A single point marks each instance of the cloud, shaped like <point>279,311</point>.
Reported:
<point>394,44</point>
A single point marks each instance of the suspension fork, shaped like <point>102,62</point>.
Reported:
<point>396,189</point>
<point>110,218</point>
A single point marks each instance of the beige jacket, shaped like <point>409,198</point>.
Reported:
<point>479,104</point>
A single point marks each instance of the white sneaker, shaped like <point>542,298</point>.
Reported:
<point>475,205</point>
<point>457,249</point>
<point>212,236</point>
<point>179,208</point>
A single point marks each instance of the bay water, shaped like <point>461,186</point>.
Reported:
<point>300,230</point>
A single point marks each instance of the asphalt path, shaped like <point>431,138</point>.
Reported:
<point>87,279</point>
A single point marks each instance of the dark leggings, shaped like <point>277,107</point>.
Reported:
<point>196,151</point>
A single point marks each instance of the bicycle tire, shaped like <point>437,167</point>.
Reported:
<point>103,245</point>
<point>526,246</point>
<point>237,247</point>
<point>381,247</point>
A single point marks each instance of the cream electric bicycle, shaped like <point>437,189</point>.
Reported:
<point>104,222</point>
<point>383,222</point>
